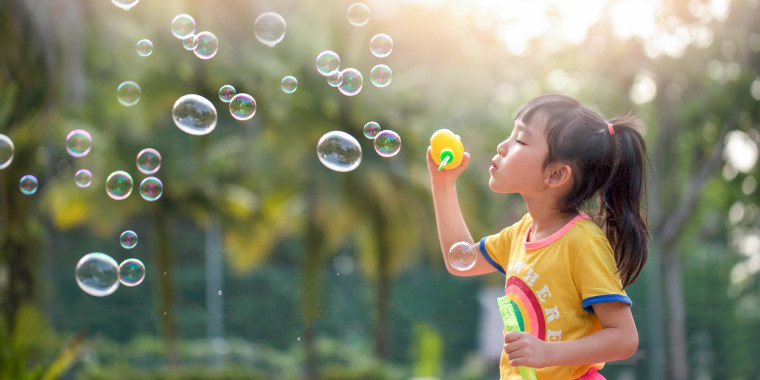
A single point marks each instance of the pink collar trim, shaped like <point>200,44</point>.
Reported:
<point>533,245</point>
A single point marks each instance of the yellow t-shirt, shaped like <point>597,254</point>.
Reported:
<point>554,282</point>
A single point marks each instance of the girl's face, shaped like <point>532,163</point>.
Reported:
<point>518,164</point>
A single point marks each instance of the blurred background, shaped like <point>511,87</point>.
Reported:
<point>262,263</point>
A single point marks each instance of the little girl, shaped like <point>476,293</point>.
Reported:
<point>565,273</point>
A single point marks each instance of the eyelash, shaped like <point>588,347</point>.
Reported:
<point>519,142</point>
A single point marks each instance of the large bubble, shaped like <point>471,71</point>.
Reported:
<point>128,93</point>
<point>269,28</point>
<point>352,82</point>
<point>327,62</point>
<point>125,4</point>
<point>207,46</point>
<point>387,143</point>
<point>78,143</point>
<point>381,75</point>
<point>28,184</point>
<point>119,185</point>
<point>182,25</point>
<point>97,274</point>
<point>148,161</point>
<point>339,151</point>
<point>151,188</point>
<point>381,45</point>
<point>194,114</point>
<point>6,151</point>
<point>144,47</point>
<point>462,255</point>
<point>242,106</point>
<point>131,272</point>
<point>358,14</point>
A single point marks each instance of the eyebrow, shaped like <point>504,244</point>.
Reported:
<point>523,127</point>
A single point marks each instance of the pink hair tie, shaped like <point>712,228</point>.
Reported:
<point>609,128</point>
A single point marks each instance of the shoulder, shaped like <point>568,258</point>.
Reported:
<point>585,237</point>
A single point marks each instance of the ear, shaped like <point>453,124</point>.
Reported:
<point>558,175</point>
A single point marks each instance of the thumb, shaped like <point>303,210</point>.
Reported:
<point>465,160</point>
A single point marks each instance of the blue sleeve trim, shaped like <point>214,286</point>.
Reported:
<point>588,302</point>
<point>493,263</point>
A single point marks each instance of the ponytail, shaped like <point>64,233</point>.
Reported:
<point>620,214</point>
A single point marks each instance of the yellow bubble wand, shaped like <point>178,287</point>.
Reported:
<point>510,324</point>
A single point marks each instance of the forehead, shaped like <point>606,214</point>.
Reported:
<point>534,126</point>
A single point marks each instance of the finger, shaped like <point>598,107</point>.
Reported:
<point>465,160</point>
<point>512,336</point>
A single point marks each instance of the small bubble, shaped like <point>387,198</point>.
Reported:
<point>148,161</point>
<point>387,143</point>
<point>83,178</point>
<point>208,45</point>
<point>151,189</point>
<point>381,45</point>
<point>131,272</point>
<point>182,25</point>
<point>327,62</point>
<point>242,106</point>
<point>119,185</point>
<point>269,28</point>
<point>226,93</point>
<point>6,151</point>
<point>125,4</point>
<point>462,256</point>
<point>358,14</point>
<point>289,84</point>
<point>144,47</point>
<point>128,93</point>
<point>371,129</point>
<point>28,184</point>
<point>335,78</point>
<point>352,82</point>
<point>381,75</point>
<point>128,239</point>
<point>190,41</point>
<point>78,143</point>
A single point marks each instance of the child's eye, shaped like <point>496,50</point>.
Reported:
<point>518,142</point>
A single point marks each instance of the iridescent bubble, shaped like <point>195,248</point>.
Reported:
<point>269,28</point>
<point>327,62</point>
<point>339,151</point>
<point>125,4</point>
<point>194,114</point>
<point>28,184</point>
<point>148,161</point>
<point>381,45</point>
<point>207,45</point>
<point>352,82</point>
<point>78,143</point>
<point>226,93</point>
<point>6,151</point>
<point>131,272</point>
<point>371,129</point>
<point>387,143</point>
<point>97,274</point>
<point>335,78</point>
<point>83,178</point>
<point>182,25</point>
<point>190,41</point>
<point>381,75</point>
<point>151,189</point>
<point>462,256</point>
<point>128,93</point>
<point>128,239</point>
<point>358,14</point>
<point>119,185</point>
<point>144,47</point>
<point>289,84</point>
<point>242,106</point>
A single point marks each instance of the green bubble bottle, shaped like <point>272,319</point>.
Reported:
<point>447,150</point>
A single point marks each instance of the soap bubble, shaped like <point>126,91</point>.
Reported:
<point>78,143</point>
<point>327,62</point>
<point>125,4</point>
<point>128,93</point>
<point>269,28</point>
<point>190,41</point>
<point>371,129</point>
<point>144,47</point>
<point>335,78</point>
<point>83,178</point>
<point>381,75</point>
<point>387,143</point>
<point>226,93</point>
<point>358,14</point>
<point>242,106</point>
<point>182,25</point>
<point>28,184</point>
<point>148,161</point>
<point>194,114</point>
<point>131,272</point>
<point>381,45</point>
<point>289,84</point>
<point>97,274</point>
<point>128,239</point>
<point>119,185</point>
<point>352,82</point>
<point>151,189</point>
<point>6,151</point>
<point>339,151</point>
<point>462,255</point>
<point>208,44</point>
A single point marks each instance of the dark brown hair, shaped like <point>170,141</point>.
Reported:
<point>608,165</point>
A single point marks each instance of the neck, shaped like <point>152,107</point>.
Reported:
<point>546,219</point>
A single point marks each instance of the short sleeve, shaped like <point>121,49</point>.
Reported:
<point>496,248</point>
<point>596,275</point>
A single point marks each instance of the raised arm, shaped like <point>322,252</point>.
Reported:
<point>448,215</point>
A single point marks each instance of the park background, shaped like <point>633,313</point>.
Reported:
<point>264,264</point>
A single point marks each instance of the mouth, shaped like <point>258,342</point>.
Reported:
<point>493,167</point>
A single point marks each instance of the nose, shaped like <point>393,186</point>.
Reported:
<point>501,149</point>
